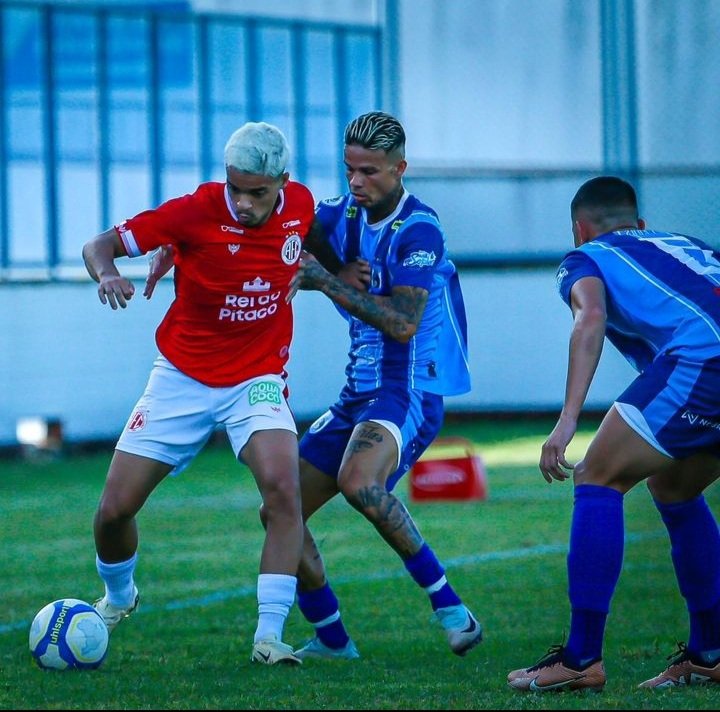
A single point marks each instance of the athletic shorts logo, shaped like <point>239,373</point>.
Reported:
<point>137,421</point>
<point>265,392</point>
<point>321,422</point>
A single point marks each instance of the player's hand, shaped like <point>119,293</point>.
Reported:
<point>115,290</point>
<point>310,275</point>
<point>357,274</point>
<point>160,263</point>
<point>553,464</point>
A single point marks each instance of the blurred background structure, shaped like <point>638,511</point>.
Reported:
<point>108,108</point>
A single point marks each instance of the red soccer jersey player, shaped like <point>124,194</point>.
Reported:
<point>229,321</point>
<point>224,343</point>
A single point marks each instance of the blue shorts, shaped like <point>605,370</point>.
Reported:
<point>415,417</point>
<point>675,406</point>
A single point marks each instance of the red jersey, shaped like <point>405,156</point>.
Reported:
<point>229,320</point>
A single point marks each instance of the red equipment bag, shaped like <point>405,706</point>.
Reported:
<point>449,469</point>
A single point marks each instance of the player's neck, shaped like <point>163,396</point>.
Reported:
<point>387,206</point>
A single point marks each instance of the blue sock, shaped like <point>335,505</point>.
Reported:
<point>695,543</point>
<point>320,607</point>
<point>594,562</point>
<point>427,572</point>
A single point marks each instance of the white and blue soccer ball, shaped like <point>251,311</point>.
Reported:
<point>68,634</point>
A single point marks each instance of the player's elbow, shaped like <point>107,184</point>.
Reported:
<point>403,331</point>
<point>594,316</point>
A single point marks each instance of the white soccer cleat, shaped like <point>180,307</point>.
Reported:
<point>315,648</point>
<point>272,651</point>
<point>461,627</point>
<point>112,615</point>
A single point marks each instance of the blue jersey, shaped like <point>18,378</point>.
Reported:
<point>663,293</point>
<point>405,249</point>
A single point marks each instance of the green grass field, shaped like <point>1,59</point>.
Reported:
<point>188,647</point>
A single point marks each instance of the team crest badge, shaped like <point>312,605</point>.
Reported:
<point>137,421</point>
<point>290,252</point>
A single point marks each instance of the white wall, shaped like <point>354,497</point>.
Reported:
<point>65,355</point>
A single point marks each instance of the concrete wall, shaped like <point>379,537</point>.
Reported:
<point>64,355</point>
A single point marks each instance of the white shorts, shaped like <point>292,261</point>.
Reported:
<point>176,415</point>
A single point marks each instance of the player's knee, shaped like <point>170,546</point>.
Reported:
<point>587,472</point>
<point>595,472</point>
<point>279,497</point>
<point>112,511</point>
<point>668,490</point>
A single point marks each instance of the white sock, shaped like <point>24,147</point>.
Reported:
<point>275,595</point>
<point>119,580</point>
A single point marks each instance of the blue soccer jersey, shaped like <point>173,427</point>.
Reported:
<point>405,249</point>
<point>663,292</point>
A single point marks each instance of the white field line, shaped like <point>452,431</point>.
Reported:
<point>468,559</point>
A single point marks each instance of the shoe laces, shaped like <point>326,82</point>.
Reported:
<point>681,655</point>
<point>553,656</point>
<point>451,617</point>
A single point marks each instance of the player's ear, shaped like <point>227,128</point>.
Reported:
<point>400,167</point>
<point>285,177</point>
<point>641,223</point>
<point>581,232</point>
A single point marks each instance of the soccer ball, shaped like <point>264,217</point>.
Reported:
<point>68,634</point>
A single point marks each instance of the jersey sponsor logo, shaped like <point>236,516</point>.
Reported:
<point>137,421</point>
<point>265,392</point>
<point>231,228</point>
<point>333,201</point>
<point>420,258</point>
<point>291,223</point>
<point>233,248</point>
<point>240,307</point>
<point>257,285</point>
<point>351,211</point>
<point>291,249</point>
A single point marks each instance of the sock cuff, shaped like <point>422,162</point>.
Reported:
<point>276,587</point>
<point>597,492</point>
<point>118,567</point>
<point>671,507</point>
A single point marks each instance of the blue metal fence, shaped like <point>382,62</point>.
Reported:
<point>107,111</point>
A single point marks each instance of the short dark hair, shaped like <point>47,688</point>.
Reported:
<point>605,192</point>
<point>376,131</point>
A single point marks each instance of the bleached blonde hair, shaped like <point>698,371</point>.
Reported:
<point>258,148</point>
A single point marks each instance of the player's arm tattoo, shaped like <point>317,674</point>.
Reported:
<point>397,315</point>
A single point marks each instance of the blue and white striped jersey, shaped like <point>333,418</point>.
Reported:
<point>663,292</point>
<point>405,249</point>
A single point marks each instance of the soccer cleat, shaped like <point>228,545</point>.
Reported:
<point>550,674</point>
<point>271,651</point>
<point>461,627</point>
<point>683,670</point>
<point>112,615</point>
<point>315,648</point>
